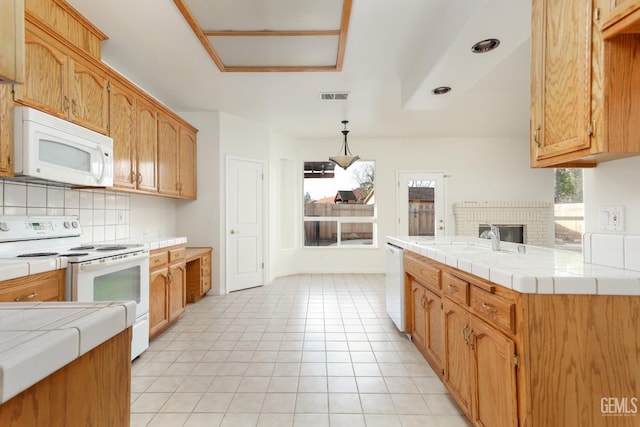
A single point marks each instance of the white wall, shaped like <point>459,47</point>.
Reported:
<point>479,169</point>
<point>202,221</point>
<point>152,217</point>
<point>613,183</point>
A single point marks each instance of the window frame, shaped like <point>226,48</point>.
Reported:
<point>340,220</point>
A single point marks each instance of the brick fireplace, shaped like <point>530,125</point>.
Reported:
<point>535,217</point>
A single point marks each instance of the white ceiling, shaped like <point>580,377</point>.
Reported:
<point>396,52</point>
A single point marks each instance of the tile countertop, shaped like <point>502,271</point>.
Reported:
<point>539,270</point>
<point>37,339</point>
<point>13,268</point>
<point>162,242</point>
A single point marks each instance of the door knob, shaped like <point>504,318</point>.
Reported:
<point>233,232</point>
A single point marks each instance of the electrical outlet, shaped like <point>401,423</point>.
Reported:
<point>612,218</point>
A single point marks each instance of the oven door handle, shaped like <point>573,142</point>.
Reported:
<point>101,265</point>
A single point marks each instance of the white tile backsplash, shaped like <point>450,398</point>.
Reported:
<point>632,252</point>
<point>15,194</point>
<point>36,196</point>
<point>86,199</point>
<point>96,209</point>
<point>55,198</point>
<point>612,250</point>
<point>607,249</point>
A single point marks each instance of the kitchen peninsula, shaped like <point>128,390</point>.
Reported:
<point>65,363</point>
<point>529,338</point>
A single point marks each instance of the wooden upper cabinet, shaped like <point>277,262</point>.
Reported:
<point>623,17</point>
<point>168,130</point>
<point>62,85</point>
<point>187,163</point>
<point>6,131</point>
<point>560,78</point>
<point>581,109</point>
<point>89,96</point>
<point>122,128</point>
<point>46,82</point>
<point>12,41</point>
<point>176,158</point>
<point>146,146</point>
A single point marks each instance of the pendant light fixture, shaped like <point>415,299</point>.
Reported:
<point>344,158</point>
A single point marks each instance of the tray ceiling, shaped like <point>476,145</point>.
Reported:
<point>270,35</point>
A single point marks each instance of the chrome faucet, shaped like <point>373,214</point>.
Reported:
<point>494,235</point>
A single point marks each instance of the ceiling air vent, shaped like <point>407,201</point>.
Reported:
<point>334,96</point>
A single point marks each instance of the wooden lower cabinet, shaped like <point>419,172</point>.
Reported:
<point>494,390</point>
<point>158,301</point>
<point>533,360</point>
<point>177,291</point>
<point>480,370</point>
<point>48,286</point>
<point>198,272</point>
<point>418,328</point>
<point>93,390</point>
<point>167,288</point>
<point>457,357</point>
<point>426,324</point>
<point>424,314</point>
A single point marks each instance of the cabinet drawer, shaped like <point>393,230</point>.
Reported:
<point>30,292</point>
<point>159,259</point>
<point>455,288</point>
<point>493,308</point>
<point>177,254</point>
<point>423,272</point>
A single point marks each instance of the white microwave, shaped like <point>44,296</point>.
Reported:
<point>52,149</point>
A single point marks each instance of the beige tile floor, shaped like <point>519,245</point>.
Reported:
<point>306,350</point>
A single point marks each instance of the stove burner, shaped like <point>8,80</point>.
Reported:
<point>82,248</point>
<point>111,248</point>
<point>37,254</point>
<point>76,254</point>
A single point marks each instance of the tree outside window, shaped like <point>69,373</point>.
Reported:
<point>568,209</point>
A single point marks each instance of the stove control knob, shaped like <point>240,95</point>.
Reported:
<point>67,224</point>
<point>75,224</point>
<point>4,226</point>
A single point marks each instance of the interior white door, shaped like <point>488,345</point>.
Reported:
<point>420,204</point>
<point>244,224</point>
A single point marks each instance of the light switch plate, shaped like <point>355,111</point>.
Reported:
<point>611,218</point>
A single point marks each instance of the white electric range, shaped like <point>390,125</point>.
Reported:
<point>95,272</point>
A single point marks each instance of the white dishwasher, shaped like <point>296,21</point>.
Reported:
<point>395,285</point>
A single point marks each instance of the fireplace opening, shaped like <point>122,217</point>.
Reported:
<point>508,232</point>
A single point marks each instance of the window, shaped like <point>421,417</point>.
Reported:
<point>339,208</point>
<point>568,209</point>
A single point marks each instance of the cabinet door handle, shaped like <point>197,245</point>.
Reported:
<point>536,136</point>
<point>489,308</point>
<point>422,301</point>
<point>470,339</point>
<point>464,335</point>
<point>452,288</point>
<point>139,178</point>
<point>74,107</point>
<point>169,277</point>
<point>32,295</point>
<point>65,104</point>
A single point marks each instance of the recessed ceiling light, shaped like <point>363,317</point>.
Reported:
<point>441,90</point>
<point>485,46</point>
